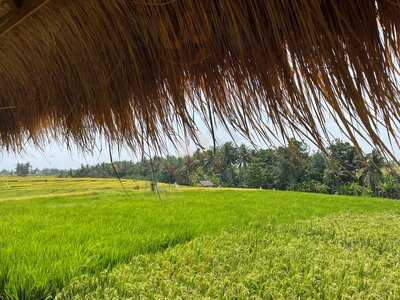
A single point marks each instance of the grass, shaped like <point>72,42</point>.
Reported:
<point>54,230</point>
<point>334,257</point>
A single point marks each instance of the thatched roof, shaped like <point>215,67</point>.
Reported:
<point>133,69</point>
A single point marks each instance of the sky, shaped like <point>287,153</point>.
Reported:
<point>54,155</point>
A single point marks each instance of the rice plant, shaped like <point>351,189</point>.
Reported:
<point>46,239</point>
<point>345,256</point>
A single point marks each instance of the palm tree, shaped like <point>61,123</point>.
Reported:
<point>243,158</point>
<point>371,174</point>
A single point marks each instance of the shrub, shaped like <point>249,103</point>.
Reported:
<point>311,187</point>
<point>353,189</point>
<point>390,187</point>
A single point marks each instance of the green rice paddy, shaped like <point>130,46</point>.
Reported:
<point>94,239</point>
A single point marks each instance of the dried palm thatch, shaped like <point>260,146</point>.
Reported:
<point>134,69</point>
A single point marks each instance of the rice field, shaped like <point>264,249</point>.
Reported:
<point>96,239</point>
<point>334,257</point>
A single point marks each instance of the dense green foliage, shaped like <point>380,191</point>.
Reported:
<point>341,171</point>
<point>335,257</point>
<point>52,230</point>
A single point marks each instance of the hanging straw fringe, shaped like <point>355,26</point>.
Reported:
<point>133,69</point>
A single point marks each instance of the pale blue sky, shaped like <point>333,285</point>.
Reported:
<point>54,155</point>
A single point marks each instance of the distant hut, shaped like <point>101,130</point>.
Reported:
<point>207,184</point>
<point>134,71</point>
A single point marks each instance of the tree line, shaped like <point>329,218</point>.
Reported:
<point>25,169</point>
<point>341,169</point>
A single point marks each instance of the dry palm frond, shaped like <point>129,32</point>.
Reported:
<point>131,69</point>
